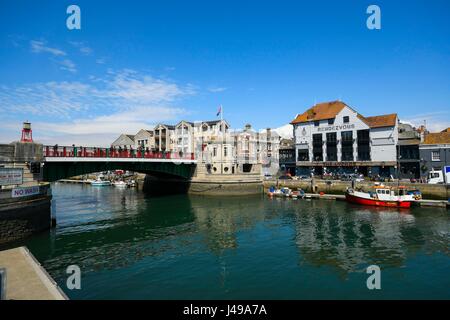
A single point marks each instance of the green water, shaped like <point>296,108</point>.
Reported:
<point>130,246</point>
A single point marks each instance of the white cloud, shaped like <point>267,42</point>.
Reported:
<point>68,65</point>
<point>82,47</point>
<point>285,131</point>
<point>216,89</point>
<point>435,121</point>
<point>124,101</point>
<point>100,61</point>
<point>40,46</point>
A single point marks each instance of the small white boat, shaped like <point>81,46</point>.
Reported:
<point>120,184</point>
<point>100,183</point>
<point>286,192</point>
<point>132,183</point>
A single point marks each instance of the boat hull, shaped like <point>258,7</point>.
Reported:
<point>374,202</point>
<point>100,184</point>
<point>120,185</point>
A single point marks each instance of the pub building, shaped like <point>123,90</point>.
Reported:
<point>332,137</point>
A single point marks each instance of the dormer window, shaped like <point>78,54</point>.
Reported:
<point>316,123</point>
<point>331,121</point>
<point>346,119</point>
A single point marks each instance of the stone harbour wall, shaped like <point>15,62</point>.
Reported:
<point>21,219</point>
<point>429,191</point>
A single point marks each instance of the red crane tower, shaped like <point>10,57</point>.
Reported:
<point>27,133</point>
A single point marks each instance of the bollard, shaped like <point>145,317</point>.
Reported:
<point>2,284</point>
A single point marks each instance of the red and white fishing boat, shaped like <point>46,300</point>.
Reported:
<point>381,196</point>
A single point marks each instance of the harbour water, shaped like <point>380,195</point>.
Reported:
<point>132,246</point>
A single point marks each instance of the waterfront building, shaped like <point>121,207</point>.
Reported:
<point>408,151</point>
<point>124,141</point>
<point>435,152</point>
<point>184,137</point>
<point>214,147</point>
<point>218,149</point>
<point>268,145</point>
<point>164,137</point>
<point>287,156</point>
<point>246,142</point>
<point>333,137</point>
<point>146,139</point>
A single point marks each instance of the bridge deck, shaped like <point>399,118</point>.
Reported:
<point>111,159</point>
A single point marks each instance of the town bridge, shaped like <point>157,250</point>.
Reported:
<point>62,162</point>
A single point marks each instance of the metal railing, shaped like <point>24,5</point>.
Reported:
<point>112,152</point>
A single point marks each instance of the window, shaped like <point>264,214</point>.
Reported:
<point>435,156</point>
<point>214,151</point>
<point>363,142</point>
<point>225,151</point>
<point>346,119</point>
<point>347,145</point>
<point>303,155</point>
<point>331,146</point>
<point>316,123</point>
<point>331,121</point>
<point>317,147</point>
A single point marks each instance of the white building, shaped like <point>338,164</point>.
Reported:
<point>214,146</point>
<point>268,151</point>
<point>184,137</point>
<point>256,151</point>
<point>145,138</point>
<point>333,137</point>
<point>164,137</point>
<point>124,141</point>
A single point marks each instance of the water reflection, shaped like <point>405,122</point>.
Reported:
<point>244,239</point>
<point>347,237</point>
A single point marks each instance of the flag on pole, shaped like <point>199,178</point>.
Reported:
<point>219,111</point>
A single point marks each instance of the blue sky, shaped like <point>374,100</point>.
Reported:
<point>136,63</point>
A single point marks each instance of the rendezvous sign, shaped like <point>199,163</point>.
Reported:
<point>11,176</point>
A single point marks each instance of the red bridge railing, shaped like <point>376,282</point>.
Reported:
<point>112,152</point>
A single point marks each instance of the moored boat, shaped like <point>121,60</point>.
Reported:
<point>120,184</point>
<point>286,192</point>
<point>100,183</point>
<point>299,193</point>
<point>381,196</point>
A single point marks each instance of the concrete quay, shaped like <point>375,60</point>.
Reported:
<point>26,279</point>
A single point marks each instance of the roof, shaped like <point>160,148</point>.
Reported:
<point>437,138</point>
<point>122,137</point>
<point>320,111</point>
<point>184,121</point>
<point>329,110</point>
<point>386,120</point>
<point>446,130</point>
<point>168,126</point>
<point>211,122</point>
<point>408,142</point>
<point>286,143</point>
